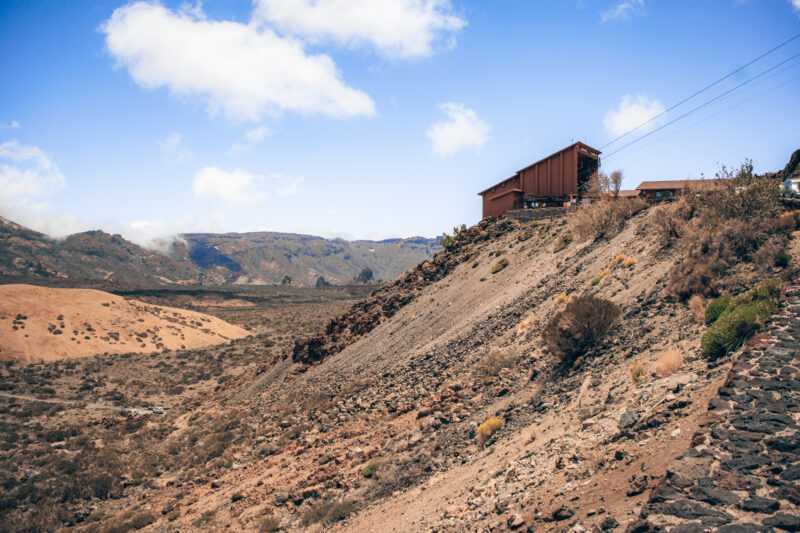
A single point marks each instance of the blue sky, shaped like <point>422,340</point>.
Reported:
<point>363,118</point>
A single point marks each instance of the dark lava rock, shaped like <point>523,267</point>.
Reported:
<point>638,485</point>
<point>784,521</point>
<point>757,504</point>
<point>628,419</point>
<point>715,496</point>
<point>562,513</point>
<point>609,523</point>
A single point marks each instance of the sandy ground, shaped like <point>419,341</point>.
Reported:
<point>47,324</point>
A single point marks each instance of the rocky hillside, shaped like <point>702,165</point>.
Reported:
<point>623,367</point>
<point>91,255</point>
<point>210,259</point>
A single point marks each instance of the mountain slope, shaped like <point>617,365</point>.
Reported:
<point>267,257</point>
<point>383,419</point>
<point>91,255</point>
<point>207,258</point>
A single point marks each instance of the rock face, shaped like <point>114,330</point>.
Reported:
<point>741,474</point>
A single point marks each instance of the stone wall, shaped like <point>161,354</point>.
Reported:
<point>742,472</point>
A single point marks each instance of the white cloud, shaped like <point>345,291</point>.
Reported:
<point>250,138</point>
<point>795,4</point>
<point>398,28</point>
<point>13,125</point>
<point>242,71</point>
<point>622,10</point>
<point>631,112</point>
<point>26,172</point>
<point>461,130</point>
<point>28,178</point>
<point>240,187</point>
<point>174,147</point>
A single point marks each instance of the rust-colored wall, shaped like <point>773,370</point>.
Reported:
<point>556,176</point>
<point>502,197</point>
<point>552,179</point>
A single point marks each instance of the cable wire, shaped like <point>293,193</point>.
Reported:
<point>701,106</point>
<point>704,89</point>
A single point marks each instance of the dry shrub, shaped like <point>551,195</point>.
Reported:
<point>270,524</point>
<point>526,325</point>
<point>600,277</point>
<point>489,427</point>
<point>562,298</point>
<point>629,262</point>
<point>579,326</point>
<point>500,265</point>
<point>697,306</point>
<point>638,371</point>
<point>329,512</point>
<point>669,221</point>
<point>619,259</point>
<point>727,224</point>
<point>669,362</point>
<point>496,360</point>
<point>603,218</point>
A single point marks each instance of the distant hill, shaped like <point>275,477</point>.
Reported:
<point>266,257</point>
<point>90,255</point>
<point>205,258</point>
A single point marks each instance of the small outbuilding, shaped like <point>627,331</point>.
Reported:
<point>666,190</point>
<point>559,178</point>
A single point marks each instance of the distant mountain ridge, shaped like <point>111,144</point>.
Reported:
<point>205,258</point>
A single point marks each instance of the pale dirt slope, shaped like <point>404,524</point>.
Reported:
<point>46,324</point>
<point>407,394</point>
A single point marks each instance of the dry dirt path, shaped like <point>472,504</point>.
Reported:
<point>83,405</point>
<point>742,472</point>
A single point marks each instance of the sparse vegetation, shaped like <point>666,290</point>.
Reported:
<point>668,362</point>
<point>638,371</point>
<point>501,264</point>
<point>495,361</point>
<point>697,306</point>
<point>329,512</point>
<point>603,218</point>
<point>488,428</point>
<point>727,226</point>
<point>370,469</point>
<point>579,326</point>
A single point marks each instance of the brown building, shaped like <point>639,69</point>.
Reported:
<point>665,190</point>
<point>554,180</point>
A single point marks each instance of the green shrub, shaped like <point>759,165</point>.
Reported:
<point>715,308</point>
<point>733,328</point>
<point>734,319</point>
<point>781,259</point>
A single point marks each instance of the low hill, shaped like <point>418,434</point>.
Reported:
<point>46,324</point>
<point>205,258</point>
